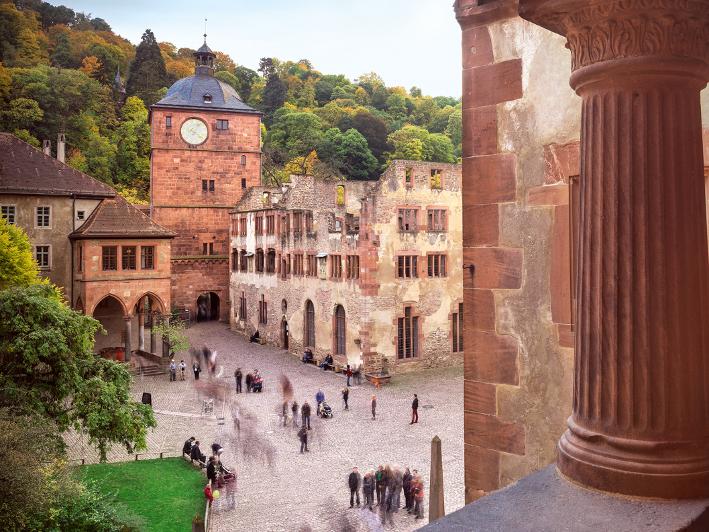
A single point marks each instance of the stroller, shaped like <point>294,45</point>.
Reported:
<point>324,410</point>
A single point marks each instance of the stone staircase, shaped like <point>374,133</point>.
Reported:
<point>147,364</point>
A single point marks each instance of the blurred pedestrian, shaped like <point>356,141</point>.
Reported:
<point>379,483</point>
<point>196,370</point>
<point>303,435</point>
<point>319,398</point>
<point>415,410</point>
<point>173,370</point>
<point>406,484</point>
<point>237,377</point>
<point>294,411</point>
<point>374,407</point>
<point>348,373</point>
<point>418,496</point>
<point>368,489</point>
<point>284,412</point>
<point>183,366</point>
<point>249,380</point>
<point>346,396</point>
<point>354,481</point>
<point>305,412</point>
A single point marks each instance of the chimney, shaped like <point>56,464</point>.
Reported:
<point>61,147</point>
<point>47,147</point>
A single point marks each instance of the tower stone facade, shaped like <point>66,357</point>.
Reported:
<point>206,151</point>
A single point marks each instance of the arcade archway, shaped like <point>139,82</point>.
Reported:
<point>207,307</point>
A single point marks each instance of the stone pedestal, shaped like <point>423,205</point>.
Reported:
<point>640,422</point>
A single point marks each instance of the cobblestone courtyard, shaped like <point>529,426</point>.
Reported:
<point>280,489</point>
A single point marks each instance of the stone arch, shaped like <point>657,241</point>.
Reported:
<point>113,316</point>
<point>110,296</point>
<point>79,305</point>
<point>161,308</point>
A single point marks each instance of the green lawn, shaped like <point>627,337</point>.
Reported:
<point>164,494</point>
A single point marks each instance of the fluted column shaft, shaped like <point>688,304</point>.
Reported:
<point>640,421</point>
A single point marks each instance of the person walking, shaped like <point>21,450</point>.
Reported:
<point>284,412</point>
<point>183,366</point>
<point>374,407</point>
<point>379,483</point>
<point>348,373</point>
<point>305,413</point>
<point>346,396</point>
<point>368,489</point>
<point>415,410</point>
<point>249,380</point>
<point>418,497</point>
<point>406,484</point>
<point>397,485</point>
<point>303,435</point>
<point>196,370</point>
<point>237,377</point>
<point>294,411</point>
<point>319,398</point>
<point>173,371</point>
<point>354,481</point>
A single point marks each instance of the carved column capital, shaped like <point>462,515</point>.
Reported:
<point>633,32</point>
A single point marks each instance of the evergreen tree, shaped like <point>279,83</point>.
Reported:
<point>61,56</point>
<point>147,73</point>
<point>275,92</point>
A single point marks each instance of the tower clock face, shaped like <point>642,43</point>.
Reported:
<point>194,131</point>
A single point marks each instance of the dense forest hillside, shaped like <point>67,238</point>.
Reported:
<point>64,71</point>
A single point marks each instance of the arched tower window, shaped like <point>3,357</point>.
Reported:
<point>340,331</point>
<point>309,324</point>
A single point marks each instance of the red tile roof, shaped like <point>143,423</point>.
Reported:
<point>27,170</point>
<point>116,218</point>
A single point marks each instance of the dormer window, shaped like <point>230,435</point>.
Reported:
<point>207,98</point>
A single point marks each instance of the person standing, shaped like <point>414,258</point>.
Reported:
<point>346,396</point>
<point>348,373</point>
<point>418,497</point>
<point>294,411</point>
<point>284,412</point>
<point>319,398</point>
<point>212,471</point>
<point>237,377</point>
<point>196,370</point>
<point>406,483</point>
<point>354,480</point>
<point>303,435</point>
<point>379,483</point>
<point>368,489</point>
<point>415,410</point>
<point>305,413</point>
<point>249,380</point>
<point>183,366</point>
<point>374,407</point>
<point>173,371</point>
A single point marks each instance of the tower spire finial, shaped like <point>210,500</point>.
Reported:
<point>205,31</point>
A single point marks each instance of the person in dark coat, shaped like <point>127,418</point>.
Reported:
<point>305,413</point>
<point>348,373</point>
<point>187,447</point>
<point>196,453</point>
<point>409,500</point>
<point>294,411</point>
<point>196,369</point>
<point>374,407</point>
<point>415,410</point>
<point>212,471</point>
<point>237,377</point>
<point>255,338</point>
<point>346,396</point>
<point>354,481</point>
<point>249,380</point>
<point>303,436</point>
<point>368,489</point>
<point>319,398</point>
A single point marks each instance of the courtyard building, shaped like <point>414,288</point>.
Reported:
<point>206,151</point>
<point>369,272</point>
<point>111,261</point>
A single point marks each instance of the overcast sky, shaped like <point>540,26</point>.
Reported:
<point>407,42</point>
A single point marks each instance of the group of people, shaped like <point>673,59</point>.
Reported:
<point>173,370</point>
<point>254,381</point>
<point>218,475</point>
<point>387,483</point>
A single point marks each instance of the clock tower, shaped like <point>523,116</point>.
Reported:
<point>205,151</point>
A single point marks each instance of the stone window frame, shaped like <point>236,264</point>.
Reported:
<point>263,311</point>
<point>409,178</point>
<point>309,324</point>
<point>168,121</point>
<point>417,339</point>
<point>234,260</point>
<point>208,249</point>
<point>48,251</point>
<point>352,267</point>
<point>260,261</point>
<point>243,225</point>
<point>445,213</point>
<point>80,258</point>
<point>243,261</point>
<point>339,323</point>
<point>242,306</point>
<point>129,258</point>
<point>5,212</point>
<point>270,223</point>
<point>403,218</point>
<point>312,265</point>
<point>457,317</point>
<point>436,172</point>
<point>270,262</point>
<point>48,217</point>
<point>243,160</point>
<point>400,265</point>
<point>335,266</point>
<point>144,256</point>
<point>442,257</point>
<point>113,257</point>
<point>221,124</point>
<point>258,224</point>
<point>298,264</point>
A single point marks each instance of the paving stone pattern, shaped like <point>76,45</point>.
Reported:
<point>303,491</point>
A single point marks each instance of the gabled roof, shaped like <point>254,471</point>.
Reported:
<point>27,170</point>
<point>116,218</point>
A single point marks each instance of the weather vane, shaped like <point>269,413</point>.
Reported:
<point>205,31</point>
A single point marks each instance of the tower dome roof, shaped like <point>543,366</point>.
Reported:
<point>204,92</point>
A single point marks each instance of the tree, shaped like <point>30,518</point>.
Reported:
<point>222,62</point>
<point>294,134</point>
<point>348,153</point>
<point>21,113</point>
<point>47,368</point>
<point>410,142</point>
<point>454,130</point>
<point>17,265</point>
<point>90,66</point>
<point>29,52</point>
<point>147,73</point>
<point>275,91</point>
<point>61,55</point>
<point>132,142</point>
<point>374,130</point>
<point>173,332</point>
<point>246,79</point>
<point>441,147</point>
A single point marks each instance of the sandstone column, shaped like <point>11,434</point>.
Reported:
<point>640,421</point>
<point>127,331</point>
<point>153,334</point>
<point>141,329</point>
